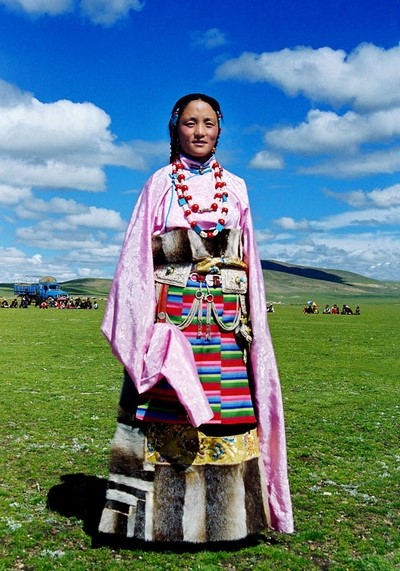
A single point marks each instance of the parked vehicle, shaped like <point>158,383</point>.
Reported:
<point>46,288</point>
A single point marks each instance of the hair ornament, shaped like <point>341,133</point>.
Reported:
<point>174,118</point>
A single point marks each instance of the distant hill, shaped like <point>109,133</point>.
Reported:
<point>289,283</point>
<point>98,287</point>
<point>285,283</point>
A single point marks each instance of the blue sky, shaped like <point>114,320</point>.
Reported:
<point>310,93</point>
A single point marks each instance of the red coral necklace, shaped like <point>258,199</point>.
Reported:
<point>189,208</point>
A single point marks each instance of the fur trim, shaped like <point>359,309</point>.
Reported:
<point>181,246</point>
<point>174,502</point>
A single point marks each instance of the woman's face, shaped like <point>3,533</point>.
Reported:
<point>198,130</point>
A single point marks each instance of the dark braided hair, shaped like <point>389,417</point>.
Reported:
<point>177,111</point>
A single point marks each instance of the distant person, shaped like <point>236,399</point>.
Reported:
<point>199,452</point>
<point>346,310</point>
<point>358,310</point>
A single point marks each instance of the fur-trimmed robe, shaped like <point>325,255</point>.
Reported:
<point>151,351</point>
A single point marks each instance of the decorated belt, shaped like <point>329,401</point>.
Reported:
<point>209,274</point>
<point>231,276</point>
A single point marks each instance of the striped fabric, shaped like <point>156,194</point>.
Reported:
<point>219,361</point>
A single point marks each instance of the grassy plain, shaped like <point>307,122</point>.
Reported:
<point>340,377</point>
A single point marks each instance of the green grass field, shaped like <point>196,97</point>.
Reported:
<point>340,377</point>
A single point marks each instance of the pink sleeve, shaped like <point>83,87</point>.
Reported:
<point>129,315</point>
<point>148,351</point>
<point>267,391</point>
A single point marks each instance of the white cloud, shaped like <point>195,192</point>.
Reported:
<point>66,215</point>
<point>36,259</point>
<point>267,160</point>
<point>44,237</point>
<point>366,253</point>
<point>366,217</point>
<point>37,208</point>
<point>105,252</point>
<point>288,223</point>
<point>71,251</point>
<point>11,195</point>
<point>367,78</point>
<point>36,7</point>
<point>11,257</point>
<point>343,240</point>
<point>97,218</point>
<point>91,262</point>
<point>364,240</point>
<point>56,205</point>
<point>107,12</point>
<point>362,253</point>
<point>63,123</point>
<point>52,174</point>
<point>103,12</point>
<point>11,96</point>
<point>383,161</point>
<point>357,143</point>
<point>212,38</point>
<point>74,235</point>
<point>380,198</point>
<point>61,144</point>
<point>326,131</point>
<point>264,235</point>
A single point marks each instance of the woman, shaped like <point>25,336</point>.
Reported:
<point>199,452</point>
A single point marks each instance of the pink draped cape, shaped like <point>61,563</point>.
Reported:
<point>151,351</point>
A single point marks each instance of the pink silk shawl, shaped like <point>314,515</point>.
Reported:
<point>151,351</point>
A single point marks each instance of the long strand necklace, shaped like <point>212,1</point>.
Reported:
<point>189,209</point>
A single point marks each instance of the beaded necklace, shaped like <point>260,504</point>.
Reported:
<point>184,199</point>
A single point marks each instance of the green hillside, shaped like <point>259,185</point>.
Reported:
<point>88,287</point>
<point>285,283</point>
